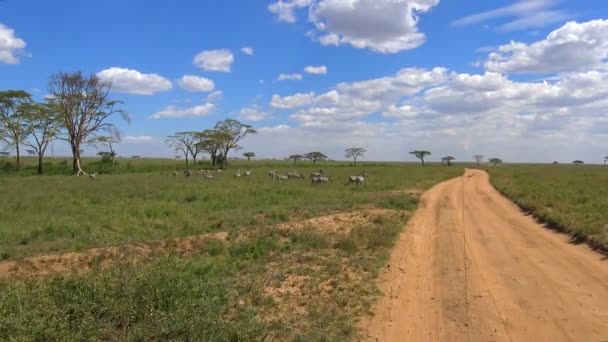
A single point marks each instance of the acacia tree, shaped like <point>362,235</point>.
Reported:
<point>314,156</point>
<point>109,140</point>
<point>355,153</point>
<point>184,143</point>
<point>43,124</point>
<point>578,162</point>
<point>295,158</point>
<point>447,160</point>
<point>249,155</point>
<point>495,161</point>
<point>12,127</point>
<point>478,158</point>
<point>605,160</point>
<point>421,155</point>
<point>231,132</point>
<point>85,107</point>
<point>210,141</point>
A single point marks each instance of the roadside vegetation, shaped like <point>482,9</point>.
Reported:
<point>570,198</point>
<point>298,260</point>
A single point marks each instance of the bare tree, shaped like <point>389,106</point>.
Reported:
<point>421,155</point>
<point>85,107</point>
<point>12,127</point>
<point>184,143</point>
<point>43,123</point>
<point>355,153</point>
<point>232,132</point>
<point>478,158</point>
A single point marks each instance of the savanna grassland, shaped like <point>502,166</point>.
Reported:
<point>225,259</point>
<point>570,198</point>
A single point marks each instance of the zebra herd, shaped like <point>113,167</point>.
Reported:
<point>318,177</point>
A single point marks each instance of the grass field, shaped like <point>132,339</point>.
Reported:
<point>572,199</point>
<point>281,273</point>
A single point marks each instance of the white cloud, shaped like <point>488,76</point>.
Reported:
<point>289,77</point>
<point>171,112</point>
<point>385,26</point>
<point>247,50</point>
<point>573,47</point>
<point>214,96</point>
<point>293,101</point>
<point>253,113</point>
<point>528,14</point>
<point>134,82</point>
<point>316,70</point>
<point>138,138</point>
<point>285,9</point>
<point>10,45</point>
<point>194,83</point>
<point>214,60</point>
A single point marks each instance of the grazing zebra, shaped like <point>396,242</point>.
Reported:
<point>93,176</point>
<point>209,176</point>
<point>356,180</point>
<point>175,173</point>
<point>237,174</point>
<point>188,173</point>
<point>247,173</point>
<point>272,173</point>
<point>321,179</point>
<point>219,170</point>
<point>295,175</point>
<point>281,177</point>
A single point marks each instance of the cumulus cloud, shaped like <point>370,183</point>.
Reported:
<point>214,96</point>
<point>134,82</point>
<point>195,84</point>
<point>10,45</point>
<point>451,113</point>
<point>214,60</point>
<point>253,113</point>
<point>137,138</point>
<point>289,77</point>
<point>172,112</point>
<point>285,9</point>
<point>527,14</point>
<point>572,47</point>
<point>247,50</point>
<point>385,26</point>
<point>316,70</point>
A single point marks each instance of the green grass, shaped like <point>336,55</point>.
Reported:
<point>264,282</point>
<point>572,199</point>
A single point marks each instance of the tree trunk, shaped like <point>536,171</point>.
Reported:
<point>294,162</point>
<point>40,170</point>
<point>193,160</point>
<point>355,161</point>
<point>76,169</point>
<point>187,162</point>
<point>314,161</point>
<point>422,160</point>
<point>18,157</point>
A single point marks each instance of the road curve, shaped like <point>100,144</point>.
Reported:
<point>472,267</point>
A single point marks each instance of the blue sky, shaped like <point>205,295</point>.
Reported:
<point>521,80</point>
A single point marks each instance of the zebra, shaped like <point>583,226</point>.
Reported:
<point>281,177</point>
<point>321,179</point>
<point>93,176</point>
<point>356,179</point>
<point>237,174</point>
<point>209,176</point>
<point>272,173</point>
<point>247,173</point>
<point>188,173</point>
<point>295,175</point>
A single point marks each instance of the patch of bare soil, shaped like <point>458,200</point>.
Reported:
<point>472,267</point>
<point>102,258</point>
<point>341,222</point>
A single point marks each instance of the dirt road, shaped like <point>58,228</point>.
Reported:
<point>472,267</point>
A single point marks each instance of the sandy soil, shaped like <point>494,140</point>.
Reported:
<point>472,267</point>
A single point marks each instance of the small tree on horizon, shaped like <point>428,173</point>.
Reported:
<point>478,158</point>
<point>249,155</point>
<point>578,162</point>
<point>495,161</point>
<point>447,160</point>
<point>314,156</point>
<point>355,153</point>
<point>113,137</point>
<point>605,160</point>
<point>295,158</point>
<point>421,155</point>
